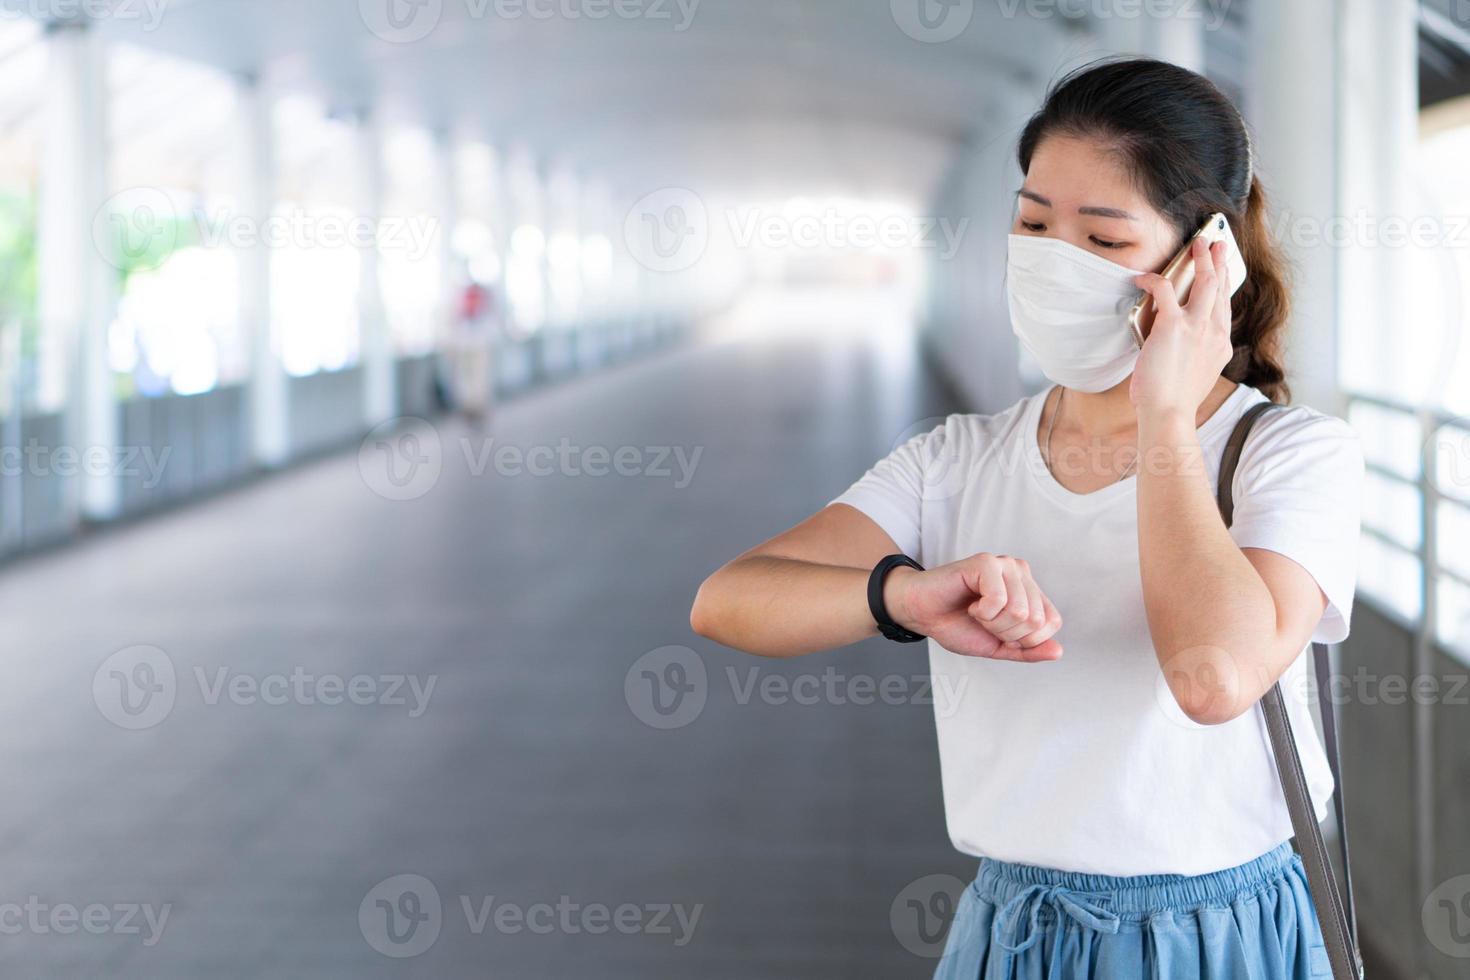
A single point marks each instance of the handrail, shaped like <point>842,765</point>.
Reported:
<point>1430,420</point>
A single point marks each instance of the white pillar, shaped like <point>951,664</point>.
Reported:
<point>447,207</point>
<point>77,272</point>
<point>1290,104</point>
<point>1178,36</point>
<point>595,218</point>
<point>270,437</point>
<point>1379,106</point>
<point>1170,30</point>
<point>563,192</point>
<point>1378,99</point>
<point>379,373</point>
<point>502,218</point>
<point>526,206</point>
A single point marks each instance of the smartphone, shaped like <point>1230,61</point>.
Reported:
<point>1180,271</point>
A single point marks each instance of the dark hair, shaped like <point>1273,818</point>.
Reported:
<point>1187,147</point>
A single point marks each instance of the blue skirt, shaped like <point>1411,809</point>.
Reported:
<point>1251,922</point>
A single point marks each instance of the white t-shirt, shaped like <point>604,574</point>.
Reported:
<point>1087,763</point>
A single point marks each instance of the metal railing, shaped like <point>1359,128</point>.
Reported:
<point>1429,638</point>
<point>1427,482</point>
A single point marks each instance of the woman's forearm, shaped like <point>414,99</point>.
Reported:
<point>1212,619</point>
<point>782,607</point>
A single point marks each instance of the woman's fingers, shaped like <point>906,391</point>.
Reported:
<point>1202,297</point>
<point>989,584</point>
<point>1030,617</point>
<point>1048,650</point>
<point>1222,287</point>
<point>1025,615</point>
<point>1164,297</point>
<point>1051,623</point>
<point>1010,608</point>
<point>1001,618</point>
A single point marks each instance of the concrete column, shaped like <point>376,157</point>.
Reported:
<point>1179,36</point>
<point>77,270</point>
<point>270,435</point>
<point>526,206</point>
<point>1290,105</point>
<point>563,193</point>
<point>968,323</point>
<point>447,208</point>
<point>1379,101</point>
<point>379,373</point>
<point>1172,31</point>
<point>594,210</point>
<point>502,219</point>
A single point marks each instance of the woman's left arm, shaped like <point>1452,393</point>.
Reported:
<point>1226,622</point>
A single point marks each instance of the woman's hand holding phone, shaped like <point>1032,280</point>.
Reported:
<point>982,606</point>
<point>1189,344</point>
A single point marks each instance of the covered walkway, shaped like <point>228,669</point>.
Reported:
<point>518,768</point>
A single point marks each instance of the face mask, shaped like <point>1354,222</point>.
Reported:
<point>1069,308</point>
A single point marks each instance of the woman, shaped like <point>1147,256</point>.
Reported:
<point>1112,772</point>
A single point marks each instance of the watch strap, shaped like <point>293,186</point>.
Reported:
<point>885,622</point>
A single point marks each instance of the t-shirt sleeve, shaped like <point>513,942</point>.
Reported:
<point>892,492</point>
<point>1299,493</point>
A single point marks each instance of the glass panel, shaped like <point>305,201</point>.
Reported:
<point>174,183</point>
<point>1437,303</point>
<point>1454,616</point>
<point>1454,536</point>
<point>1391,576</point>
<point>1393,508</point>
<point>1451,454</point>
<point>34,369</point>
<point>1390,438</point>
<point>315,266</point>
<point>314,298</point>
<point>411,274</point>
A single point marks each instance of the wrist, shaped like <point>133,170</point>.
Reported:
<point>896,588</point>
<point>1171,425</point>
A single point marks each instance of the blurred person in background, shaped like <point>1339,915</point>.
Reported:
<point>477,327</point>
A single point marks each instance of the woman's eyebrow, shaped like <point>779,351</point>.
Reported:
<point>1106,212</point>
<point>1093,210</point>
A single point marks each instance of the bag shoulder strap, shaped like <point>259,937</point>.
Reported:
<point>1340,923</point>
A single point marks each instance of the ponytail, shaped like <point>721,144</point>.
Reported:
<point>1260,309</point>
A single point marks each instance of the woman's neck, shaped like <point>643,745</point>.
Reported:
<point>1110,413</point>
<point>1102,414</point>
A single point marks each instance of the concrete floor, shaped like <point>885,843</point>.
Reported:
<point>530,775</point>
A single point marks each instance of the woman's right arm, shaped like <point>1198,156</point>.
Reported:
<point>806,590</point>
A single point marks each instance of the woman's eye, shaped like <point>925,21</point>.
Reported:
<point>1103,244</point>
<point>1029,226</point>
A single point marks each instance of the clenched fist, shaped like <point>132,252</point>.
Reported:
<point>983,606</point>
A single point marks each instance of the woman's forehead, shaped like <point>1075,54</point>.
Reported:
<point>1072,173</point>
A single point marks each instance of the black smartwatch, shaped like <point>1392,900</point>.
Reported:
<point>885,622</point>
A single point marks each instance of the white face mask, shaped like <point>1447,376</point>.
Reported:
<point>1070,308</point>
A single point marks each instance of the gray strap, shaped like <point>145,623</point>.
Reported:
<point>1322,660</point>
<point>1339,923</point>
